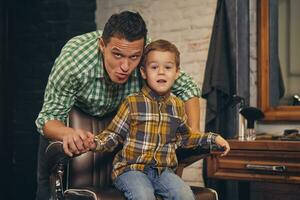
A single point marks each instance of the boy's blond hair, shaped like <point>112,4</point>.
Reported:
<point>161,45</point>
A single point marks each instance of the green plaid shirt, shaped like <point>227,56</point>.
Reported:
<point>78,78</point>
<point>150,127</point>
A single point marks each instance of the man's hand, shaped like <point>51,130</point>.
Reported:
<point>223,143</point>
<point>77,142</point>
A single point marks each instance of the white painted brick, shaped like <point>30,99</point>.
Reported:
<point>174,37</point>
<point>164,5</point>
<point>194,57</point>
<point>196,3</point>
<point>178,25</point>
<point>196,46</point>
<point>191,68</point>
<point>206,21</point>
<point>166,15</point>
<point>196,34</point>
<point>197,11</point>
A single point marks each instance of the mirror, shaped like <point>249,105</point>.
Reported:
<point>271,63</point>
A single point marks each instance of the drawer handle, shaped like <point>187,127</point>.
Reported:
<point>273,168</point>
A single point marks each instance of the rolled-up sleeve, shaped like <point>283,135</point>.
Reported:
<point>186,138</point>
<point>185,87</point>
<point>60,91</point>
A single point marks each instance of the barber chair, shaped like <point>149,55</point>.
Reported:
<point>88,176</point>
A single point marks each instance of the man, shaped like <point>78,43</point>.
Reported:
<point>95,72</point>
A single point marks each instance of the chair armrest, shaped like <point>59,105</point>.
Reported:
<point>56,160</point>
<point>55,155</point>
<point>189,156</point>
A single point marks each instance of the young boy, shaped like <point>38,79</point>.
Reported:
<point>151,124</point>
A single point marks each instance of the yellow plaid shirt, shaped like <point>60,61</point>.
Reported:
<point>150,127</point>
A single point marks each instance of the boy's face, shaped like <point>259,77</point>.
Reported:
<point>160,71</point>
<point>121,57</point>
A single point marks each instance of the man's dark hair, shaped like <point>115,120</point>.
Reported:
<point>127,25</point>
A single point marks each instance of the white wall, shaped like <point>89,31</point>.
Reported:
<point>186,23</point>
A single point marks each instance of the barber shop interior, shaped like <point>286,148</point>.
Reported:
<point>137,99</point>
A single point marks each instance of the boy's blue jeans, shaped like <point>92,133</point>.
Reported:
<point>137,185</point>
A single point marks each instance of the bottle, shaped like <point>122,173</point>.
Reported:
<point>250,134</point>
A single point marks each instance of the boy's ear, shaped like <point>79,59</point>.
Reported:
<point>177,72</point>
<point>143,73</point>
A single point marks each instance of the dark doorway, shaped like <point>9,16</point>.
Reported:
<point>31,36</point>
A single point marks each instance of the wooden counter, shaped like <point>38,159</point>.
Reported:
<point>262,160</point>
<point>269,169</point>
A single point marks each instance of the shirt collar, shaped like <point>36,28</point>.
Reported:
<point>148,92</point>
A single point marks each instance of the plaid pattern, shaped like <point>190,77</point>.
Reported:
<point>78,78</point>
<point>150,127</point>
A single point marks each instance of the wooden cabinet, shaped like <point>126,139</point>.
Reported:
<point>269,167</point>
<point>273,161</point>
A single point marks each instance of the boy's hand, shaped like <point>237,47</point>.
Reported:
<point>93,145</point>
<point>90,143</point>
<point>223,143</point>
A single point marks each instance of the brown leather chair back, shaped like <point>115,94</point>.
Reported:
<point>89,169</point>
<point>93,170</point>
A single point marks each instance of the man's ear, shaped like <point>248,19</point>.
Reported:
<point>101,44</point>
<point>143,73</point>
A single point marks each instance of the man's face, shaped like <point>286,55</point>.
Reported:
<point>160,71</point>
<point>121,57</point>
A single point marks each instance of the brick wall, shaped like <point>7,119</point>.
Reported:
<point>188,24</point>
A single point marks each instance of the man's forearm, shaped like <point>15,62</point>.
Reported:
<point>192,109</point>
<point>56,130</point>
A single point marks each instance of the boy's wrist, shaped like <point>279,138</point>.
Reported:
<point>213,137</point>
<point>98,146</point>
